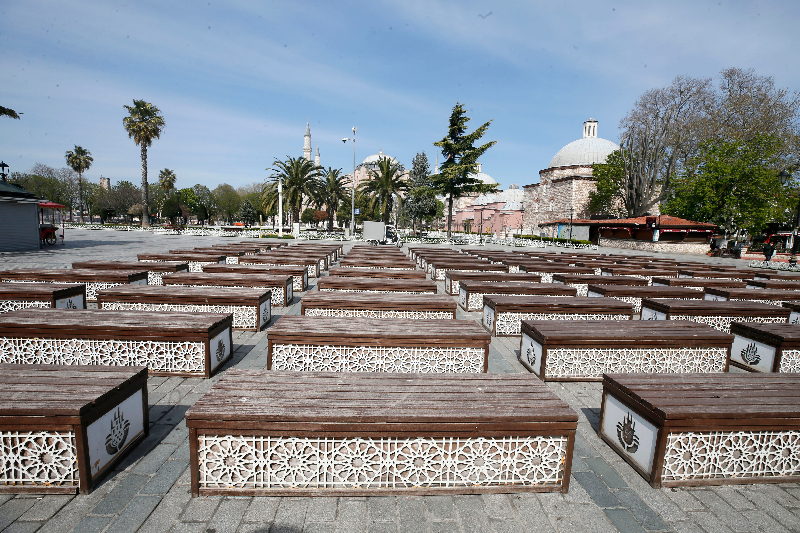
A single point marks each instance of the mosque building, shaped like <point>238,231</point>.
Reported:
<point>564,186</point>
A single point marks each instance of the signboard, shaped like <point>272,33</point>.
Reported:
<point>357,211</point>
<point>578,232</point>
<point>110,434</point>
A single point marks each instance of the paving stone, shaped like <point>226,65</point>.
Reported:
<point>554,504</point>
<point>165,478</point>
<point>498,506</point>
<point>189,527</point>
<point>254,527</point>
<point>640,510</point>
<point>577,494</point>
<point>444,527</point>
<point>686,527</point>
<point>506,526</point>
<point>319,527</point>
<point>564,524</point>
<point>471,513</point>
<point>76,509</point>
<point>709,522</point>
<point>410,514</point>
<point>290,516</point>
<point>579,465</point>
<point>122,494</point>
<point>262,509</point>
<point>134,515</point>
<point>684,499</point>
<point>596,489</point>
<point>440,507</point>
<point>594,519</point>
<point>606,474</point>
<point>623,520</point>
<point>13,509</point>
<point>760,520</point>
<point>322,509</point>
<point>92,524</point>
<point>45,508</point>
<point>23,527</point>
<point>377,527</point>
<point>764,501</point>
<point>229,514</point>
<point>170,507</point>
<point>531,513</point>
<point>723,510</point>
<point>382,508</point>
<point>151,462</point>
<point>200,509</point>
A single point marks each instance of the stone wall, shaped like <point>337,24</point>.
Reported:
<point>649,246</point>
<point>558,190</point>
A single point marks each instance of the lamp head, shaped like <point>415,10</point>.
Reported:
<point>345,140</point>
<point>785,177</point>
<point>354,130</point>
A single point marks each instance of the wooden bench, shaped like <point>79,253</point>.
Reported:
<point>298,273</point>
<point>439,269</point>
<point>453,278</point>
<point>714,274</point>
<point>546,270</point>
<point>310,264</point>
<point>168,343</point>
<point>581,281</point>
<point>15,296</point>
<point>398,305</point>
<point>376,273</point>
<point>320,258</point>
<point>783,284</point>
<point>634,294</point>
<point>94,279</point>
<point>232,255</point>
<point>557,350</point>
<point>718,315</point>
<point>503,315</point>
<point>794,308</point>
<point>763,275</point>
<point>697,284</point>
<point>704,429</point>
<point>766,347</point>
<point>154,270</point>
<point>196,261</point>
<point>471,292</point>
<point>377,345</point>
<point>250,307</point>
<point>65,427</point>
<point>765,296</point>
<point>331,434</point>
<point>350,284</point>
<point>383,264</point>
<point>279,285</point>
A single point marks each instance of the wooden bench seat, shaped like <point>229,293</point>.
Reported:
<point>704,429</point>
<point>94,279</point>
<point>232,255</point>
<point>154,269</point>
<point>376,273</point>
<point>582,281</point>
<point>330,434</point>
<point>783,284</point>
<point>646,274</point>
<point>794,308</point>
<point>65,427</point>
<point>279,285</point>
<point>765,296</point>
<point>503,315</point>
<point>333,251</point>
<point>634,294</point>
<point>383,264</point>
<point>714,274</point>
<point>248,249</point>
<point>15,296</point>
<point>168,343</point>
<point>250,307</point>
<point>439,269</point>
<point>546,270</point>
<point>351,284</point>
<point>320,257</point>
<point>453,278</point>
<point>557,350</point>
<point>371,305</point>
<point>698,284</point>
<point>196,261</point>
<point>718,315</point>
<point>377,345</point>
<point>309,263</point>
<point>766,347</point>
<point>299,274</point>
<point>471,292</point>
<point>762,275</point>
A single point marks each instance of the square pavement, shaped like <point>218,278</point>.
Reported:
<point>149,490</point>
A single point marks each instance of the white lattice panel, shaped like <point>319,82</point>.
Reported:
<point>244,316</point>
<point>6,306</point>
<point>510,323</point>
<point>723,323</point>
<point>255,462</point>
<point>157,356</point>
<point>154,278</point>
<point>475,300</point>
<point>513,269</point>
<point>197,266</point>
<point>439,360</point>
<point>232,260</point>
<point>38,458</point>
<point>790,361</point>
<point>442,272</point>
<point>583,289</point>
<point>731,454</point>
<point>593,362</point>
<point>277,292</point>
<point>328,289</point>
<point>547,277</point>
<point>381,313</point>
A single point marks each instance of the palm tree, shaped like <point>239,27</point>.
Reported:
<point>144,124</point>
<point>80,160</point>
<point>299,177</point>
<point>8,112</point>
<point>332,191</point>
<point>166,180</point>
<point>385,185</point>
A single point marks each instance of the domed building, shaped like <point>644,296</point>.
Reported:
<point>371,164</point>
<point>564,186</point>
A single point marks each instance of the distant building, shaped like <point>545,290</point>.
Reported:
<point>19,219</point>
<point>564,186</point>
<point>105,183</point>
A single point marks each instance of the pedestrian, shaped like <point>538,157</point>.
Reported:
<point>768,251</point>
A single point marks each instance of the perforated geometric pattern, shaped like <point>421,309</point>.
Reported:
<point>307,357</point>
<point>328,289</point>
<point>6,306</point>
<point>731,454</point>
<point>40,458</point>
<point>254,462</point>
<point>723,323</point>
<point>509,323</point>
<point>380,313</point>
<point>790,361</point>
<point>637,302</point>
<point>475,301</point>
<point>243,316</point>
<point>154,278</point>
<point>157,356</point>
<point>593,362</point>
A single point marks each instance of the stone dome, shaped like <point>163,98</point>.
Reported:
<point>485,178</point>
<point>372,161</point>
<point>586,151</point>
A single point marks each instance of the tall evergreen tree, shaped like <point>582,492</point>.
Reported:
<point>421,201</point>
<point>460,161</point>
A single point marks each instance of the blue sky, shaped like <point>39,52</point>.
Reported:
<point>237,80</point>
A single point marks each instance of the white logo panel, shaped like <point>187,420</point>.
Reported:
<point>754,354</point>
<point>794,318</point>
<point>113,432</point>
<point>531,353</point>
<point>715,298</point>
<point>462,298</point>
<point>591,294</point>
<point>631,433</point>
<point>266,312</point>
<point>139,282</point>
<point>652,314</point>
<point>74,302</point>
<point>220,351</point>
<point>289,292</point>
<point>488,317</point>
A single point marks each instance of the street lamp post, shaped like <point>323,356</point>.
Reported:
<point>786,178</point>
<point>3,170</point>
<point>353,190</point>
<point>280,207</point>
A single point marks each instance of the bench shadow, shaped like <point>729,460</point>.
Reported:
<point>592,417</point>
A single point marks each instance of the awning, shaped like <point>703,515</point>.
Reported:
<point>50,205</point>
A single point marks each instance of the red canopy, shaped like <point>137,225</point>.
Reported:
<point>51,205</point>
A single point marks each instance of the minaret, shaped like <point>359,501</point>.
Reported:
<point>316,157</point>
<point>307,143</point>
<point>590,128</point>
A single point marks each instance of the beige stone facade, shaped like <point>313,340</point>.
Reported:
<point>560,192</point>
<point>658,246</point>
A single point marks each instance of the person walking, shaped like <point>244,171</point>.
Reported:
<point>769,249</point>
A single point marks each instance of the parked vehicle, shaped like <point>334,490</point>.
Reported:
<point>377,233</point>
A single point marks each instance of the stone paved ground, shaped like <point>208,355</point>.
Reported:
<point>149,491</point>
